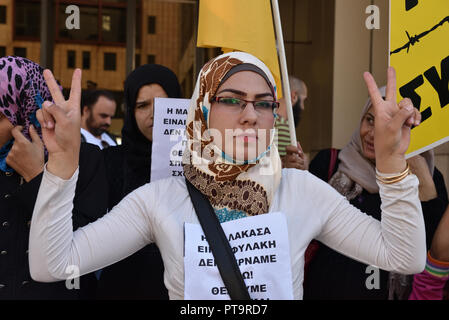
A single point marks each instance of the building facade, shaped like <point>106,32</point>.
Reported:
<point>327,45</point>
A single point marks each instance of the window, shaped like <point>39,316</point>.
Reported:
<point>137,60</point>
<point>86,60</point>
<point>20,52</point>
<point>3,14</point>
<point>27,22</point>
<point>71,59</point>
<point>88,24</point>
<point>101,21</point>
<point>2,51</point>
<point>151,24</point>
<point>113,25</point>
<point>110,61</point>
<point>151,58</point>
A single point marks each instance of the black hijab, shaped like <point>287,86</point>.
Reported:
<point>137,148</point>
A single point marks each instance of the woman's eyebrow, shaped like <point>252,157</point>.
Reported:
<point>143,101</point>
<point>261,95</point>
<point>237,92</point>
<point>244,94</point>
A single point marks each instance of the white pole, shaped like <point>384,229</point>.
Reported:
<point>284,72</point>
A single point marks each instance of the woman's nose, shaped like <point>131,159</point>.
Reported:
<point>248,114</point>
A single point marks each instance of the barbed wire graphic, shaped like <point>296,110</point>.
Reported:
<point>415,39</point>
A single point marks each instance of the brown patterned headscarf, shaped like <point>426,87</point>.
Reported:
<point>234,188</point>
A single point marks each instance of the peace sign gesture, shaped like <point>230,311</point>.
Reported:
<point>392,124</point>
<point>60,122</point>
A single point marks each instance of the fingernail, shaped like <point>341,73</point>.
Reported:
<point>46,104</point>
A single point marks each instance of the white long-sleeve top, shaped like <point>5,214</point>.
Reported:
<point>156,212</point>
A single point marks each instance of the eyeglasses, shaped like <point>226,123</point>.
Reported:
<point>238,105</point>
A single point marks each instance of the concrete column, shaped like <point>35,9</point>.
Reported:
<point>47,34</point>
<point>356,49</point>
<point>130,36</point>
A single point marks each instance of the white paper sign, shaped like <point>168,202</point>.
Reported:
<point>169,139</point>
<point>261,248</point>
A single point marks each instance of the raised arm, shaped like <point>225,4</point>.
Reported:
<point>55,251</point>
<point>397,243</point>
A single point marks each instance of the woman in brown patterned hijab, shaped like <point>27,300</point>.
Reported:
<point>230,156</point>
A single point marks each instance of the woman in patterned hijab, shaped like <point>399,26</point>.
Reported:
<point>22,91</point>
<point>235,187</point>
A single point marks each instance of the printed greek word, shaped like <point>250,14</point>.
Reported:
<point>440,84</point>
<point>175,121</point>
<point>249,233</point>
<point>251,289</point>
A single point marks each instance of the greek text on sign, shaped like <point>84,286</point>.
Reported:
<point>169,138</point>
<point>261,248</point>
<point>419,51</point>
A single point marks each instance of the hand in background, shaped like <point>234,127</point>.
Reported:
<point>419,167</point>
<point>295,158</point>
<point>26,157</point>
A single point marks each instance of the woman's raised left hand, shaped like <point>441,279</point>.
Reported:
<point>392,126</point>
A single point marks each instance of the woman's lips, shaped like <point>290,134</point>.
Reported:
<point>248,137</point>
<point>369,146</point>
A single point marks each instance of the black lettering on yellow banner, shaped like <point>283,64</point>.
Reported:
<point>419,51</point>
<point>410,4</point>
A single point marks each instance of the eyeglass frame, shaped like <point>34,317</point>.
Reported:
<point>217,99</point>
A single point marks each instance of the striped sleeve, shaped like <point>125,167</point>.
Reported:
<point>429,284</point>
<point>437,268</point>
<point>282,135</point>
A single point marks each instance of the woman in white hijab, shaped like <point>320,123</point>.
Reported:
<point>231,159</point>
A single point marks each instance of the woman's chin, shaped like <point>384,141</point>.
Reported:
<point>369,155</point>
<point>247,153</point>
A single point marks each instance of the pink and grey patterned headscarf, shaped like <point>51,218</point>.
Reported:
<point>22,91</point>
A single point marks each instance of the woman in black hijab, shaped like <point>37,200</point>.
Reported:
<point>128,166</point>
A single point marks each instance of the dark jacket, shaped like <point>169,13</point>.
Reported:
<point>332,275</point>
<point>17,200</point>
<point>128,166</point>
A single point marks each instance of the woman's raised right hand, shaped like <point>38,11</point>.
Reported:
<point>60,122</point>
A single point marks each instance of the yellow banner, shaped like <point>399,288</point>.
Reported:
<point>242,25</point>
<point>419,51</point>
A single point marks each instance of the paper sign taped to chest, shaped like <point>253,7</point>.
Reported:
<point>261,248</point>
<point>419,51</point>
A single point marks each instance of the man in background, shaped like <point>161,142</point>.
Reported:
<point>98,108</point>
<point>292,157</point>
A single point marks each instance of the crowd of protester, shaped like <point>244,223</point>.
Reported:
<point>70,195</point>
